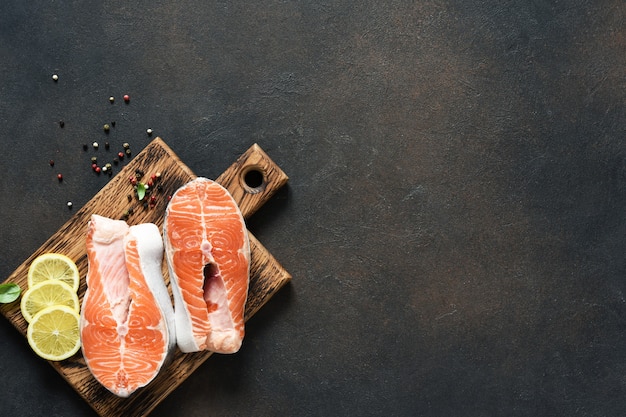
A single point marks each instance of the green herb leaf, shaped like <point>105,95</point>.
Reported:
<point>9,292</point>
<point>141,190</point>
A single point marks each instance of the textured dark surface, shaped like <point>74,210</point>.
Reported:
<point>454,221</point>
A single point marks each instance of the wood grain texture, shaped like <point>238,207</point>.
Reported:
<point>266,275</point>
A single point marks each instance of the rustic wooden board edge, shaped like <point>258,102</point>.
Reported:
<point>267,277</point>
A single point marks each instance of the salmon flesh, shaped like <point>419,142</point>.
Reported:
<point>208,256</point>
<point>127,320</point>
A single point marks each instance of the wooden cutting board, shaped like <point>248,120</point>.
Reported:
<point>252,180</point>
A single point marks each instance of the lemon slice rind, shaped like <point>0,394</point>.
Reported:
<point>53,266</point>
<point>45,294</point>
<point>54,333</point>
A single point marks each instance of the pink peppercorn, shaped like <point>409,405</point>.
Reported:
<point>126,98</point>
<point>60,177</point>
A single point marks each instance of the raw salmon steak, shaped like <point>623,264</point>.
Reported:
<point>127,320</point>
<point>208,256</point>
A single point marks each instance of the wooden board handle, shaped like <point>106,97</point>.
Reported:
<point>252,180</point>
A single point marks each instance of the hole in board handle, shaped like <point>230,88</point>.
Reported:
<point>253,180</point>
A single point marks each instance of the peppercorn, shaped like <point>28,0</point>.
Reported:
<point>98,169</point>
<point>107,145</point>
<point>149,132</point>
<point>128,152</point>
<point>126,98</point>
<point>106,127</point>
<point>60,177</point>
<point>94,160</point>
<point>126,145</point>
<point>55,77</point>
<point>115,161</point>
<point>69,204</point>
<point>112,99</point>
<point>51,163</point>
<point>95,145</point>
<point>120,154</point>
<point>113,123</point>
<point>85,147</point>
<point>61,123</point>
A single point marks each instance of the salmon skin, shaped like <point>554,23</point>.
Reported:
<point>127,320</point>
<point>208,256</point>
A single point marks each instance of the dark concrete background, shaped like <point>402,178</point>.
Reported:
<point>454,220</point>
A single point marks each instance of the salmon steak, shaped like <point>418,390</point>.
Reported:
<point>208,256</point>
<point>127,319</point>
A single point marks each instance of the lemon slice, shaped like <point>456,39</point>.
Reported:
<point>45,294</point>
<point>54,334</point>
<point>53,266</point>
